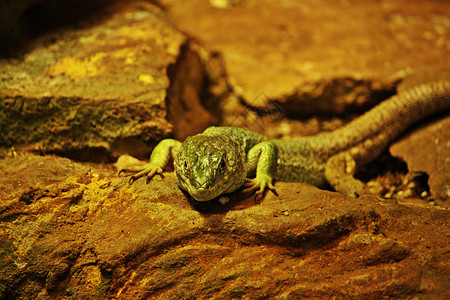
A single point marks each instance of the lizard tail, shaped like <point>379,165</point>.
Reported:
<point>391,117</point>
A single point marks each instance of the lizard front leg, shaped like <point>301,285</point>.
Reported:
<point>165,151</point>
<point>262,157</point>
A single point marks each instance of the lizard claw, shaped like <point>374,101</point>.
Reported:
<point>258,186</point>
<point>147,170</point>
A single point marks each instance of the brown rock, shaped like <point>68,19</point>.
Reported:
<point>85,233</point>
<point>282,220</point>
<point>96,92</point>
<point>426,150</point>
<point>319,57</point>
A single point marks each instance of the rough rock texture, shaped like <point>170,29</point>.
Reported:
<point>72,231</point>
<point>95,92</point>
<point>427,149</point>
<point>305,48</point>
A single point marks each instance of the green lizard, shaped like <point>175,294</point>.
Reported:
<point>222,159</point>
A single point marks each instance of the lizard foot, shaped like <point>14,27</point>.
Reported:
<point>258,186</point>
<point>339,172</point>
<point>148,170</point>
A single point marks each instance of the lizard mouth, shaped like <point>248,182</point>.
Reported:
<point>199,193</point>
<point>202,194</point>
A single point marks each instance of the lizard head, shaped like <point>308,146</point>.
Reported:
<point>207,166</point>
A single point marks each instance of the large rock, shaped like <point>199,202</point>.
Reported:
<point>75,231</point>
<point>306,51</point>
<point>426,150</point>
<point>98,91</point>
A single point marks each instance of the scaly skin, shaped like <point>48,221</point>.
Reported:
<point>219,160</point>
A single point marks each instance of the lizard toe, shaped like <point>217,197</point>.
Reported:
<point>152,173</point>
<point>131,169</point>
<point>258,185</point>
<point>249,189</point>
<point>147,170</point>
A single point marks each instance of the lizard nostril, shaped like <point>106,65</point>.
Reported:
<point>200,182</point>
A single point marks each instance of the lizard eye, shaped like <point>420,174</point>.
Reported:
<point>185,165</point>
<point>223,165</point>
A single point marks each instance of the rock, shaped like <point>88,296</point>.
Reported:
<point>51,238</point>
<point>99,91</point>
<point>83,232</point>
<point>426,150</point>
<point>283,221</point>
<point>186,108</point>
<point>321,58</point>
<point>374,250</point>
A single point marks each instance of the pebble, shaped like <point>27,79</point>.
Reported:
<point>224,200</point>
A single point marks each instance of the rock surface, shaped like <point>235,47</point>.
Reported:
<point>427,150</point>
<point>323,57</point>
<point>96,92</point>
<point>75,231</point>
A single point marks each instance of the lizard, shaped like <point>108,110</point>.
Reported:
<point>221,160</point>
